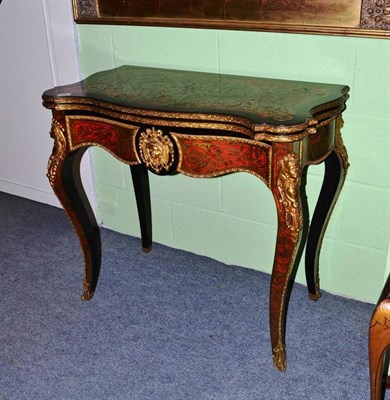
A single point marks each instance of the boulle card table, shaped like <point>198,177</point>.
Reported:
<point>205,125</point>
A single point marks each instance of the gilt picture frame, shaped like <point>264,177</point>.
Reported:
<point>333,17</point>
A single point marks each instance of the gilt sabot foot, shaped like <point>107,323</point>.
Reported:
<point>279,357</point>
<point>87,292</point>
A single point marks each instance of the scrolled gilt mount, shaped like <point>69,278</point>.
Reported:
<point>288,187</point>
<point>58,134</point>
<point>156,150</point>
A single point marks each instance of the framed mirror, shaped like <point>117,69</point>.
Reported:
<point>334,17</point>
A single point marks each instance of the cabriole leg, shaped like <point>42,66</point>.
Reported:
<point>286,192</point>
<point>336,165</point>
<point>64,177</point>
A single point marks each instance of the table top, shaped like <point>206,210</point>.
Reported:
<point>259,100</point>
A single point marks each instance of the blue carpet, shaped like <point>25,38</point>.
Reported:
<point>164,325</point>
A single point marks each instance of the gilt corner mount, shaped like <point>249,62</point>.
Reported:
<point>345,17</point>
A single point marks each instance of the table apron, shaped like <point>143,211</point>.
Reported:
<point>199,156</point>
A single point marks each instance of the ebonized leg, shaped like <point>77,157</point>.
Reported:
<point>331,186</point>
<point>64,177</point>
<point>336,167</point>
<point>88,228</point>
<point>140,178</point>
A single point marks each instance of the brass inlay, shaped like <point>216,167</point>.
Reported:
<point>273,133</point>
<point>58,134</point>
<point>132,128</point>
<point>170,119</point>
<point>288,187</point>
<point>156,150</point>
<point>278,109</point>
<point>177,136</point>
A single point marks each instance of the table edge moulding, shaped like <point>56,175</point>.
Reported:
<point>205,125</point>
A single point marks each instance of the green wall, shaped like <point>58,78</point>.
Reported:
<point>233,218</point>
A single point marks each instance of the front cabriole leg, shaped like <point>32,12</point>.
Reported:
<point>286,191</point>
<point>211,156</point>
<point>64,178</point>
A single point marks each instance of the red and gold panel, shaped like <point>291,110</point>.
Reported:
<point>115,137</point>
<point>208,156</point>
